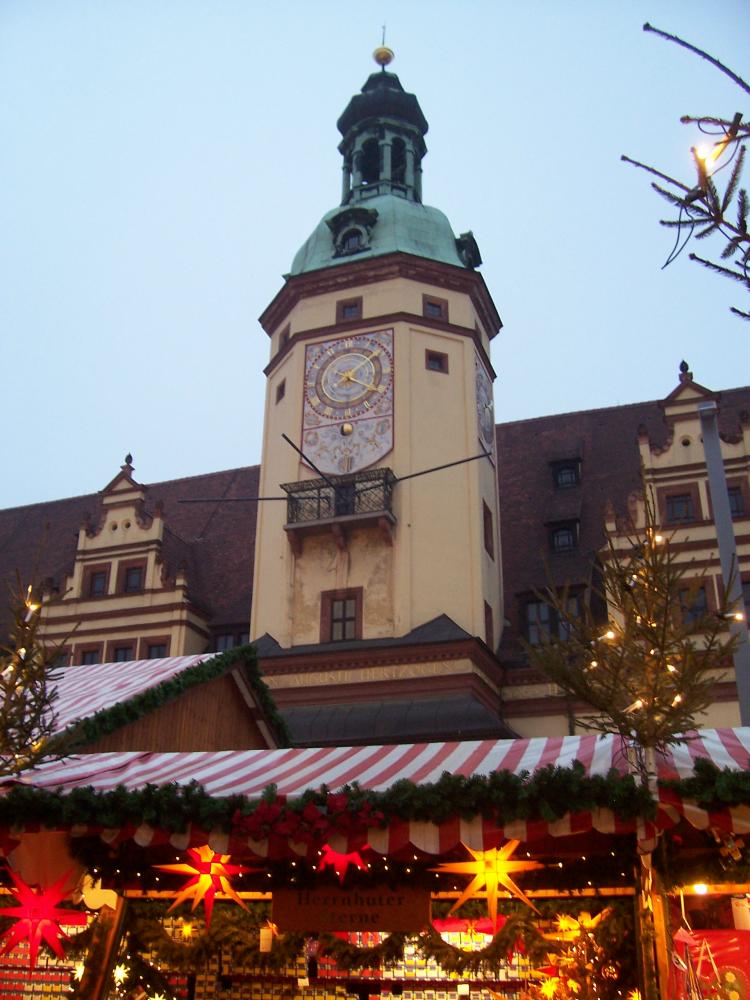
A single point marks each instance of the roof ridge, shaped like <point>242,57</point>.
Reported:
<point>615,406</point>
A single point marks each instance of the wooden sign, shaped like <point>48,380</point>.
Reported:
<point>375,908</point>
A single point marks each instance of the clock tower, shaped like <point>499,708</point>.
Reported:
<point>377,598</point>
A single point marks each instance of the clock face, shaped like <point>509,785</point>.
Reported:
<point>485,407</point>
<point>348,406</point>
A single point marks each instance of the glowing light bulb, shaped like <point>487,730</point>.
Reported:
<point>700,889</point>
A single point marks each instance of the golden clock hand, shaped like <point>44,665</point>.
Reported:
<point>363,362</point>
<point>367,385</point>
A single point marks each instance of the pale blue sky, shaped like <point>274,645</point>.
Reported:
<point>162,160</point>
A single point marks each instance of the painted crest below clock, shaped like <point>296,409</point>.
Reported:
<point>347,421</point>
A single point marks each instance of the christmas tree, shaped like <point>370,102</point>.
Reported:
<point>648,670</point>
<point>27,694</point>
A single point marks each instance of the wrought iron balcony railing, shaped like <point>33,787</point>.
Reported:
<point>357,496</point>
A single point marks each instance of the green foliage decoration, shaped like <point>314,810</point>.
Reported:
<point>108,720</point>
<point>502,797</point>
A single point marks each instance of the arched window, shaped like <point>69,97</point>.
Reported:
<point>351,241</point>
<point>398,161</point>
<point>370,162</point>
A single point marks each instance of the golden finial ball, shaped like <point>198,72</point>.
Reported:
<point>346,429</point>
<point>383,55</point>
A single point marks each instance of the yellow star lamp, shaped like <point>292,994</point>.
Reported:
<point>491,869</point>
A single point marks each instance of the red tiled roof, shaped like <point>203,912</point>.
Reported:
<point>606,442</point>
<point>214,542</point>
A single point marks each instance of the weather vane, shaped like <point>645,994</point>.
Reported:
<point>382,54</point>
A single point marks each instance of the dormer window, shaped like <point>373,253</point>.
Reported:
<point>563,536</point>
<point>351,241</point>
<point>351,229</point>
<point>566,473</point>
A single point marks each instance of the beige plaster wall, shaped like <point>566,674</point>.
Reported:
<point>437,563</point>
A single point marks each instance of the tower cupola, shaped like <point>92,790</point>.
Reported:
<point>381,210</point>
<point>383,131</point>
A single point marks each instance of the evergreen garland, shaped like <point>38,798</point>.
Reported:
<point>108,720</point>
<point>547,794</point>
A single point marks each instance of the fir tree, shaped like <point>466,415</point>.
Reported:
<point>27,717</point>
<point>648,672</point>
<point>702,209</point>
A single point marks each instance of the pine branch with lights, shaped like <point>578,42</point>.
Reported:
<point>649,673</point>
<point>702,210</point>
<point>27,717</point>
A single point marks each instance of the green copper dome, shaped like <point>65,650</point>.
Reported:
<point>400,226</point>
<point>381,209</point>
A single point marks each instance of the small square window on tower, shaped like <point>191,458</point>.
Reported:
<point>348,309</point>
<point>434,308</point>
<point>434,361</point>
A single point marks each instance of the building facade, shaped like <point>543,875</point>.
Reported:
<point>372,576</point>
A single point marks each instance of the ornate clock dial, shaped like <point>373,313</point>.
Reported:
<point>485,408</point>
<point>348,407</point>
<point>349,380</point>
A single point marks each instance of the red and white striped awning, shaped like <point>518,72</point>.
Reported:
<point>84,690</point>
<point>249,772</point>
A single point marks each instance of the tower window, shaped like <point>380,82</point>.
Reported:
<point>370,162</point>
<point>122,654</point>
<point>348,309</point>
<point>489,538</point>
<point>489,631</point>
<point>341,615</point>
<point>434,308</point>
<point>398,161</point>
<point>434,361</point>
<point>284,337</point>
<point>156,650</point>
<point>280,390</point>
